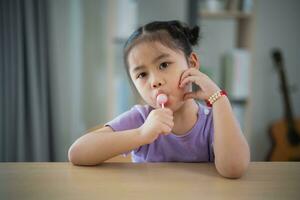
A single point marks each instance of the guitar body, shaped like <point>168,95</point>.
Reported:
<point>282,149</point>
<point>285,134</point>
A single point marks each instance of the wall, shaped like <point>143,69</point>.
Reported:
<point>277,26</point>
<point>78,69</point>
<point>157,10</point>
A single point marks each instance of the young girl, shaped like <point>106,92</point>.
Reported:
<point>159,60</point>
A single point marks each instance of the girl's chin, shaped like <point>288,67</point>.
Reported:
<point>171,104</point>
<point>174,105</point>
<point>166,105</point>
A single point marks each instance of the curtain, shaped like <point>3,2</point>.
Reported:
<point>25,101</point>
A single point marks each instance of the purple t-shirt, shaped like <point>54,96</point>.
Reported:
<point>194,146</point>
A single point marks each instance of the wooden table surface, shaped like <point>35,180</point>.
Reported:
<point>263,180</point>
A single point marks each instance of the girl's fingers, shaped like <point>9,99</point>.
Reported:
<point>167,119</point>
<point>185,74</point>
<point>190,79</point>
<point>168,123</point>
<point>194,95</point>
<point>190,95</point>
<point>167,111</point>
<point>166,129</point>
<point>190,72</point>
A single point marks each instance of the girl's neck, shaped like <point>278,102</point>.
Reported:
<point>185,117</point>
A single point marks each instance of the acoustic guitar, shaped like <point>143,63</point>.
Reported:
<point>284,133</point>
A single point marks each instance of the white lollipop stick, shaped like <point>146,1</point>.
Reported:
<point>162,99</point>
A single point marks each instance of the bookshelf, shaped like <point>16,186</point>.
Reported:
<point>226,14</point>
<point>244,19</point>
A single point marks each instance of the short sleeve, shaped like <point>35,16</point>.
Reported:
<point>211,148</point>
<point>131,119</point>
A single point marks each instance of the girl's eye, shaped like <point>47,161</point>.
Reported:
<point>164,65</point>
<point>141,75</point>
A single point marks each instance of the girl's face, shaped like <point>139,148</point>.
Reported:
<point>155,68</point>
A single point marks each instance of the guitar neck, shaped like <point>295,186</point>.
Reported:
<point>293,137</point>
<point>286,97</point>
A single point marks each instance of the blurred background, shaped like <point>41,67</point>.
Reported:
<point>61,68</point>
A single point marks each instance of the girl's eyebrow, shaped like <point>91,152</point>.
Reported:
<point>161,56</point>
<point>137,68</point>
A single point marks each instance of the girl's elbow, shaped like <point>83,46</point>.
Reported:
<point>73,155</point>
<point>234,170</point>
<point>77,157</point>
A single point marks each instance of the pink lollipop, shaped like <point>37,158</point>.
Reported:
<point>161,99</point>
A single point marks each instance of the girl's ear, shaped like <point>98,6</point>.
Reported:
<point>194,60</point>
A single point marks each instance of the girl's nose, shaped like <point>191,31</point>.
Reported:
<point>155,85</point>
<point>157,82</point>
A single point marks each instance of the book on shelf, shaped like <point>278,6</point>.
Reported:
<point>235,73</point>
<point>247,6</point>
<point>244,6</point>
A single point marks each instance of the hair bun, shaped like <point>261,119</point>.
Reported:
<point>192,34</point>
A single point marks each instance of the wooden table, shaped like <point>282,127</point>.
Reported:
<point>263,180</point>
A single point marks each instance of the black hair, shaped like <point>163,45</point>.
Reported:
<point>173,34</point>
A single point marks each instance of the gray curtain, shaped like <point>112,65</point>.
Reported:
<point>25,107</point>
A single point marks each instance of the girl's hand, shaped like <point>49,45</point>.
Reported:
<point>159,121</point>
<point>207,86</point>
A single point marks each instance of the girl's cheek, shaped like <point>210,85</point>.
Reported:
<point>184,90</point>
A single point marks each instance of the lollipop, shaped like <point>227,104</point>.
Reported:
<point>161,99</point>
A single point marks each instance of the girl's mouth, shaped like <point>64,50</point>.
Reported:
<point>165,104</point>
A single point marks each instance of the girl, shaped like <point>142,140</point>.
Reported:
<point>159,60</point>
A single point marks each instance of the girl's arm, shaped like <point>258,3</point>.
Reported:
<point>232,154</point>
<point>98,146</point>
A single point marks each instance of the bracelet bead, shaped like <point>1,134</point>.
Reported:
<point>213,98</point>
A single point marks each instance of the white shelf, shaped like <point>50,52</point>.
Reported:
<point>225,14</point>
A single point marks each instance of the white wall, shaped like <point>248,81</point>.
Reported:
<point>277,26</point>
<point>65,68</point>
<point>78,60</point>
<point>161,10</point>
